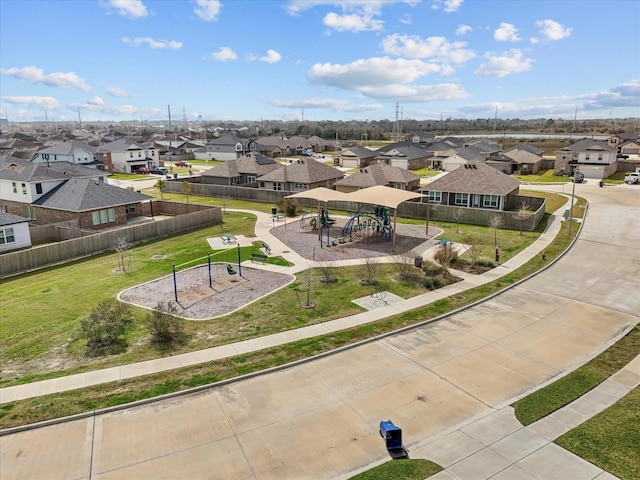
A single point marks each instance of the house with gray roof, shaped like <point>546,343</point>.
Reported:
<point>409,157</point>
<point>594,158</point>
<point>379,174</point>
<point>65,192</point>
<point>73,152</point>
<point>355,157</point>
<point>126,156</point>
<point>14,232</point>
<point>299,175</point>
<point>474,185</point>
<point>242,171</point>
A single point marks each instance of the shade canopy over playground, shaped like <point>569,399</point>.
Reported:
<point>378,195</point>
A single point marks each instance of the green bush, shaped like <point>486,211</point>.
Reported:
<point>106,323</point>
<point>163,323</point>
<point>433,283</point>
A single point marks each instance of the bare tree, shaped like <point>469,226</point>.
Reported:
<point>160,184</point>
<point>496,222</point>
<point>369,271</point>
<point>122,246</point>
<point>404,263</point>
<point>474,247</point>
<point>187,189</point>
<point>327,268</point>
<point>523,214</point>
<point>445,255</point>
<point>458,214</point>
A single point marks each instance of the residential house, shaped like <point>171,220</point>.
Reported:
<point>240,171</point>
<point>409,157</point>
<point>456,157</point>
<point>73,152</point>
<point>126,156</point>
<point>14,232</point>
<point>594,158</point>
<point>303,174</point>
<point>625,143</point>
<point>474,185</point>
<point>439,151</point>
<point>227,147</point>
<point>62,192</point>
<point>521,159</point>
<point>421,137</point>
<point>355,157</point>
<point>379,174</point>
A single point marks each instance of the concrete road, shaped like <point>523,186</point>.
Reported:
<point>319,420</point>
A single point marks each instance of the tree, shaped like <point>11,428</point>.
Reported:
<point>458,213</point>
<point>474,247</point>
<point>164,324</point>
<point>404,263</point>
<point>187,189</point>
<point>369,271</point>
<point>523,214</point>
<point>327,268</point>
<point>445,255</point>
<point>106,323</point>
<point>121,246</point>
<point>160,184</point>
<point>495,222</point>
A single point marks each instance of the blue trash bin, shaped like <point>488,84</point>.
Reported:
<point>392,434</point>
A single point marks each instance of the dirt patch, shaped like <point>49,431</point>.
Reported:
<point>199,301</point>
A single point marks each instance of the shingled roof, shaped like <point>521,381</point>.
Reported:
<point>24,171</point>
<point>250,164</point>
<point>303,171</point>
<point>378,174</point>
<point>475,177</point>
<point>83,194</point>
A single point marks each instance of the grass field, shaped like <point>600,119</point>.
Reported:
<point>405,469</point>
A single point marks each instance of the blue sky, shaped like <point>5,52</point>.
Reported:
<point>220,60</point>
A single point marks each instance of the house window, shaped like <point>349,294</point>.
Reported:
<point>251,178</point>
<point>599,157</point>
<point>300,186</point>
<point>235,180</point>
<point>31,213</point>
<point>24,188</point>
<point>564,156</point>
<point>153,152</point>
<point>139,154</point>
<point>130,154</point>
<point>103,216</point>
<point>130,208</point>
<point>435,197</point>
<point>587,156</point>
<point>6,236</point>
<point>38,188</point>
<point>399,186</point>
<point>491,201</point>
<point>462,199</point>
<point>15,187</point>
<point>277,186</point>
<point>261,184</point>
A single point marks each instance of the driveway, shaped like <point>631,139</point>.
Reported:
<point>319,420</point>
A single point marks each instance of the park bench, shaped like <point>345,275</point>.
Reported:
<point>258,257</point>
<point>267,248</point>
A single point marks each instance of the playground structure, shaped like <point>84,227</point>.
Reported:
<point>369,222</point>
<point>325,220</point>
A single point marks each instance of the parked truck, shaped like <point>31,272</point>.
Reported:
<point>633,177</point>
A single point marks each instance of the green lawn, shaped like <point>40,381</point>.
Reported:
<point>543,176</point>
<point>404,469</point>
<point>611,439</point>
<point>426,172</point>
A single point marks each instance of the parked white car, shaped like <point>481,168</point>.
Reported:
<point>633,177</point>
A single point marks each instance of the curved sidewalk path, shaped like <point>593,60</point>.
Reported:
<point>263,225</point>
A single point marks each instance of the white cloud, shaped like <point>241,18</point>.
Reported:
<point>352,22</point>
<point>34,74</point>
<point>417,93</point>
<point>335,105</point>
<point>271,57</point>
<point>127,8</point>
<point>96,101</point>
<point>48,103</point>
<point>506,33</point>
<point>118,92</point>
<point>447,5</point>
<point>294,7</point>
<point>437,48</point>
<point>208,10</point>
<point>154,44</point>
<point>376,71</point>
<point>502,65</point>
<point>463,29</point>
<point>224,54</point>
<point>552,30</point>
<point>625,95</point>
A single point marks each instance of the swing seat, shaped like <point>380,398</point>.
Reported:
<point>231,270</point>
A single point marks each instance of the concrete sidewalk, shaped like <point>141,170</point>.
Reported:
<point>497,446</point>
<point>263,225</point>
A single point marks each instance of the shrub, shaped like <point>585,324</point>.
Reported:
<point>106,323</point>
<point>163,323</point>
<point>485,262</point>
<point>433,283</point>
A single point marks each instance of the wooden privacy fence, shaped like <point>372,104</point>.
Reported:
<point>511,219</point>
<point>196,216</point>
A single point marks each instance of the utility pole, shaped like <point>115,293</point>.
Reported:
<point>169,109</point>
